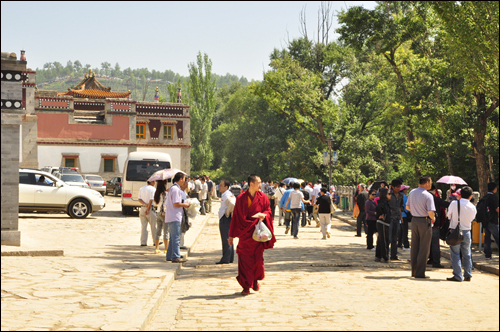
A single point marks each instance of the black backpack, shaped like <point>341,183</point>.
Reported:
<point>305,193</point>
<point>483,215</point>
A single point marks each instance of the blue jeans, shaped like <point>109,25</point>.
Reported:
<point>489,230</point>
<point>464,248</point>
<point>174,250</point>
<point>288,217</point>
<point>295,221</point>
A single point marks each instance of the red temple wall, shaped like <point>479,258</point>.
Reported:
<point>52,125</point>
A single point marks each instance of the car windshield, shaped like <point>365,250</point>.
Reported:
<point>93,178</point>
<point>141,170</point>
<point>72,178</point>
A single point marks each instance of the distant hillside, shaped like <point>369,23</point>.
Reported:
<point>141,82</point>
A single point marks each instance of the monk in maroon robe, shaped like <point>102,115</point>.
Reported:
<point>250,252</point>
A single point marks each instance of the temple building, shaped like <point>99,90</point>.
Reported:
<point>93,128</point>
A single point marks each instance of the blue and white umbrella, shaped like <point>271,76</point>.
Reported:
<point>287,181</point>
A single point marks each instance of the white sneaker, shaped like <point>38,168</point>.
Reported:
<point>373,249</point>
<point>406,249</point>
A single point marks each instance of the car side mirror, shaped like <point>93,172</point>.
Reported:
<point>59,184</point>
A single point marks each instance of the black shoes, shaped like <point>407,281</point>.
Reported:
<point>222,263</point>
<point>467,278</point>
<point>424,277</point>
<point>356,235</point>
<point>395,259</point>
<point>183,247</point>
<point>439,266</point>
<point>179,260</point>
<point>454,279</point>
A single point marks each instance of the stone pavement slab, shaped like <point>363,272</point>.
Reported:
<point>314,284</point>
<point>104,281</point>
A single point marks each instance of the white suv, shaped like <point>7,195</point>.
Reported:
<point>40,191</point>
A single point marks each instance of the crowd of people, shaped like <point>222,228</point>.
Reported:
<point>383,209</point>
<point>387,210</point>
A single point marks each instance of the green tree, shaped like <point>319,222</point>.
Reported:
<point>202,90</point>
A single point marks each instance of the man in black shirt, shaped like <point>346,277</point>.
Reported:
<point>360,200</point>
<point>306,206</point>
<point>491,228</point>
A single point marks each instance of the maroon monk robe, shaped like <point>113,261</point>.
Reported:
<point>250,252</point>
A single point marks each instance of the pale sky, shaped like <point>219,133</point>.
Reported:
<point>237,36</point>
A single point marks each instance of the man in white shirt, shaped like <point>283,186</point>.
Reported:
<point>147,214</point>
<point>297,201</point>
<point>225,223</point>
<point>203,196</point>
<point>466,214</point>
<point>315,195</point>
<point>279,193</point>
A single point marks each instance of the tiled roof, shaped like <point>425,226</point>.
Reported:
<point>90,87</point>
<point>95,94</point>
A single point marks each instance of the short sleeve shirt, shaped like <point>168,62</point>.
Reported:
<point>173,213</point>
<point>147,193</point>
<point>296,197</point>
<point>420,202</point>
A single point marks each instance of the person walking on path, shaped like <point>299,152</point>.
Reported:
<point>210,193</point>
<point>315,196</point>
<point>383,214</point>
<point>203,196</point>
<point>462,211</point>
<point>271,195</point>
<point>160,196</point>
<point>251,207</point>
<point>371,219</point>
<point>286,207</point>
<point>324,203</point>
<point>296,202</point>
<point>279,194</point>
<point>225,222</point>
<point>360,200</point>
<point>307,197</point>
<point>491,226</point>
<point>396,204</point>
<point>421,206</point>
<point>173,217</point>
<point>147,214</point>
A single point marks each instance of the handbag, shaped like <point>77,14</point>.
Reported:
<point>455,236</point>
<point>261,232</point>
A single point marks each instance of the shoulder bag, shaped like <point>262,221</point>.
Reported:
<point>455,236</point>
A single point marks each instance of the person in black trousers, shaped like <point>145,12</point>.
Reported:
<point>383,214</point>
<point>371,219</point>
<point>360,200</point>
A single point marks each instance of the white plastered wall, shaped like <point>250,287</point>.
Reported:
<point>89,158</point>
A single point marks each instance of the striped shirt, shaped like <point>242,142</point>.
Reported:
<point>420,202</point>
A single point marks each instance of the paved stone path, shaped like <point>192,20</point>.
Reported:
<point>314,284</point>
<point>104,281</point>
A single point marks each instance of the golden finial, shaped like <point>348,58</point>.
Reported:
<point>128,91</point>
<point>90,72</point>
<point>86,76</point>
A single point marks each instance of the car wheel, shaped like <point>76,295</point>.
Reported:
<point>115,192</point>
<point>79,208</point>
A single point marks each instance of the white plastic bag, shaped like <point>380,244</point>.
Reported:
<point>261,233</point>
<point>194,208</point>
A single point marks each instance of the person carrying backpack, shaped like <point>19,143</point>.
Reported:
<point>487,214</point>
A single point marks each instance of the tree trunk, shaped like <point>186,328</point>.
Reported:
<point>479,150</point>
